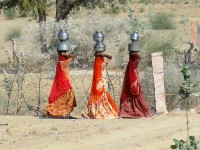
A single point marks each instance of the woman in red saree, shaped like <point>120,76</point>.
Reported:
<point>132,103</point>
<point>100,105</point>
<point>61,98</point>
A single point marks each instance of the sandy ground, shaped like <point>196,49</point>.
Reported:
<point>156,133</point>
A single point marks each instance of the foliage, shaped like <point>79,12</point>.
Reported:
<point>66,7</point>
<point>152,43</point>
<point>145,1</point>
<point>10,13</point>
<point>13,34</point>
<point>186,89</point>
<point>39,7</point>
<point>162,20</point>
<point>7,4</point>
<point>187,86</point>
<point>23,82</point>
<point>16,76</point>
<point>157,43</point>
<point>181,145</point>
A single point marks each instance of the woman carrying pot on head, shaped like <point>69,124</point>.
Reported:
<point>132,102</point>
<point>62,98</point>
<point>100,105</point>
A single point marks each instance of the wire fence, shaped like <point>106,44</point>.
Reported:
<point>36,87</point>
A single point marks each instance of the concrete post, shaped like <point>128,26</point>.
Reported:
<point>158,75</point>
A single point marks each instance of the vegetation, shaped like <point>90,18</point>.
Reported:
<point>10,13</point>
<point>13,34</point>
<point>162,20</point>
<point>186,90</point>
<point>63,7</point>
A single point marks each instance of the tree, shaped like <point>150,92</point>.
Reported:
<point>31,5</point>
<point>65,7</point>
<point>26,6</point>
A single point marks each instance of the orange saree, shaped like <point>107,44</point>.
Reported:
<point>100,105</point>
<point>61,98</point>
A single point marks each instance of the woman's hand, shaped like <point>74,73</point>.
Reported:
<point>68,55</point>
<point>103,55</point>
<point>135,55</point>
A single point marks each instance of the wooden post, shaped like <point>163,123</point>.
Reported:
<point>14,53</point>
<point>194,33</point>
<point>17,70</point>
<point>158,75</point>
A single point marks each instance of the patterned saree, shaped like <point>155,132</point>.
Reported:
<point>100,105</point>
<point>132,103</point>
<point>61,98</point>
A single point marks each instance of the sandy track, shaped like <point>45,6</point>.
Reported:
<point>31,133</point>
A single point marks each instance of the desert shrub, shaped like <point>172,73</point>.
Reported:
<point>114,8</point>
<point>24,89</point>
<point>162,20</point>
<point>152,43</point>
<point>10,13</point>
<point>133,1</point>
<point>171,74</point>
<point>14,33</point>
<point>118,8</point>
<point>147,1</point>
<point>142,9</point>
<point>147,83</point>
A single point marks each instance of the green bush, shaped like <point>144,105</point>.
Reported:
<point>10,13</point>
<point>162,20</point>
<point>115,9</point>
<point>147,1</point>
<point>158,43</point>
<point>13,34</point>
<point>152,43</point>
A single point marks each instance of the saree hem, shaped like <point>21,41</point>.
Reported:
<point>63,106</point>
<point>101,109</point>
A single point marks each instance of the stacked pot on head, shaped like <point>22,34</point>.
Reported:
<point>99,38</point>
<point>63,45</point>
<point>134,46</point>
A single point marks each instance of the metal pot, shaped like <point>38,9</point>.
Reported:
<point>98,36</point>
<point>134,36</point>
<point>63,35</point>
<point>99,47</point>
<point>63,45</point>
<point>135,45</point>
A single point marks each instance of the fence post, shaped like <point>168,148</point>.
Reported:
<point>158,76</point>
<point>14,53</point>
<point>194,33</point>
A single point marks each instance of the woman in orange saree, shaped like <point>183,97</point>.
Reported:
<point>132,102</point>
<point>100,105</point>
<point>61,98</point>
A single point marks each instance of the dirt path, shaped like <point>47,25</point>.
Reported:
<point>31,133</point>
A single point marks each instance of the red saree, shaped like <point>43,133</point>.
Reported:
<point>132,103</point>
<point>61,97</point>
<point>100,105</point>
